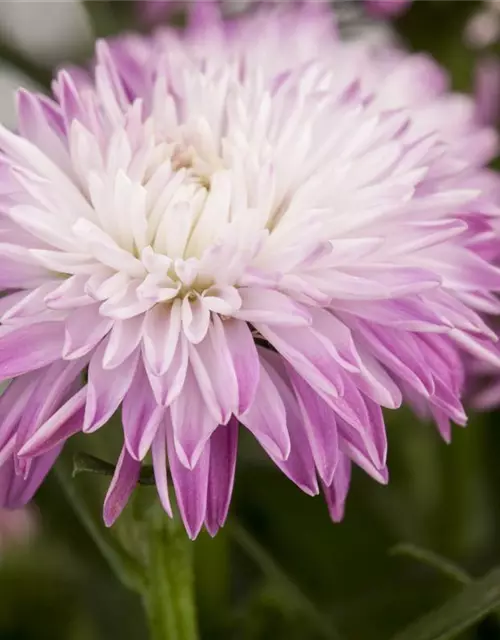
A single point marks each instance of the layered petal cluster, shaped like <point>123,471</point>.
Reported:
<point>211,229</point>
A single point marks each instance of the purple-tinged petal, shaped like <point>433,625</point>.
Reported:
<point>213,369</point>
<point>141,415</point>
<point>169,386</point>
<point>159,455</point>
<point>106,388</point>
<point>299,464</point>
<point>83,329</point>
<point>29,348</point>
<point>124,481</point>
<point>380,475</point>
<point>375,382</point>
<point>443,423</point>
<point>308,356</point>
<point>54,385</point>
<point>336,491</point>
<point>124,338</point>
<point>69,99</point>
<point>192,424</point>
<point>266,418</point>
<point>487,90</point>
<point>399,352</point>
<point>271,307</point>
<point>36,127</point>
<point>195,319</point>
<point>161,334</point>
<point>321,428</point>
<point>65,422</point>
<point>13,402</point>
<point>410,314</point>
<point>190,486</point>
<point>16,490</point>
<point>245,361</point>
<point>223,450</point>
<point>477,346</point>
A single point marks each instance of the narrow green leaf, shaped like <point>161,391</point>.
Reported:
<point>88,509</point>
<point>459,613</point>
<point>277,576</point>
<point>87,463</point>
<point>425,556</point>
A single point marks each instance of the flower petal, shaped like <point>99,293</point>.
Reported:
<point>190,486</point>
<point>124,481</point>
<point>223,450</point>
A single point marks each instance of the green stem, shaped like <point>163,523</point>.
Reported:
<point>169,593</point>
<point>125,567</point>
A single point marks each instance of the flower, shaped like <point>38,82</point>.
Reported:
<point>487,89</point>
<point>214,227</point>
<point>16,529</point>
<point>18,523</point>
<point>387,8</point>
<point>151,12</point>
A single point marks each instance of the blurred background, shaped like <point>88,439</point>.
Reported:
<point>280,569</point>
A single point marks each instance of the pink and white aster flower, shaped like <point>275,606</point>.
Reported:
<point>207,231</point>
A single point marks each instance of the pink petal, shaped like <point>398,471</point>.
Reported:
<point>245,361</point>
<point>308,356</point>
<point>195,319</point>
<point>299,464</point>
<point>271,307</point>
<point>124,481</point>
<point>124,338</point>
<point>190,487</point>
<point>15,490</point>
<point>167,387</point>
<point>36,127</point>
<point>84,328</point>
<point>29,348</point>
<point>336,491</point>
<point>320,426</point>
<point>159,454</point>
<point>266,418</point>
<point>66,421</point>
<point>213,368</point>
<point>223,450</point>
<point>141,415</point>
<point>161,334</point>
<point>106,388</point>
<point>191,422</point>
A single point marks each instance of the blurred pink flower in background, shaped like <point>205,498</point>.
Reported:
<point>17,528</point>
<point>387,8</point>
<point>17,525</point>
<point>487,89</point>
<point>151,12</point>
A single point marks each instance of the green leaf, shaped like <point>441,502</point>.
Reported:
<point>276,575</point>
<point>87,505</point>
<point>445,566</point>
<point>87,463</point>
<point>470,606</point>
